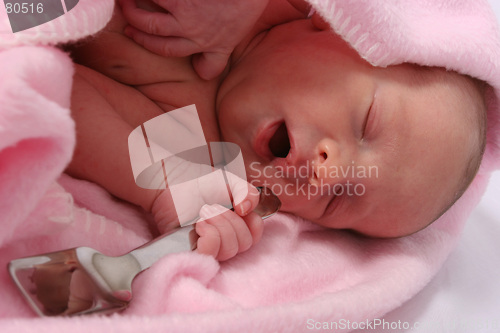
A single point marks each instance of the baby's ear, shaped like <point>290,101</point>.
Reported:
<point>319,23</point>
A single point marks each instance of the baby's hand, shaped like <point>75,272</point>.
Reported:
<point>223,233</point>
<point>209,29</point>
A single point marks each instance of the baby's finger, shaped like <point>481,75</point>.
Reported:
<point>228,238</point>
<point>234,241</point>
<point>209,239</point>
<point>245,195</point>
<point>243,234</point>
<point>255,225</point>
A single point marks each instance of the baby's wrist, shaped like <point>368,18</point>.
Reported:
<point>163,211</point>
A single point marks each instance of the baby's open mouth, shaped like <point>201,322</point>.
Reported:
<point>279,143</point>
<point>273,141</point>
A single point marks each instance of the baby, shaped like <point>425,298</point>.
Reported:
<point>380,151</point>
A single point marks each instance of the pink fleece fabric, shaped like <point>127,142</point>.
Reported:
<point>299,272</point>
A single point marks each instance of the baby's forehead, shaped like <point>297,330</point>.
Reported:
<point>461,94</point>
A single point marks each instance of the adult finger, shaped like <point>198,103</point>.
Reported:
<point>164,46</point>
<point>155,23</point>
<point>209,65</point>
<point>319,23</point>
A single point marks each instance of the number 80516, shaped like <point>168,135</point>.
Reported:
<point>24,8</point>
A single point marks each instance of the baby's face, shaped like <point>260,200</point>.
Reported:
<point>344,144</point>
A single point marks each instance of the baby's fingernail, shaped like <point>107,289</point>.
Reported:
<point>240,192</point>
<point>124,295</point>
<point>209,211</point>
<point>245,207</point>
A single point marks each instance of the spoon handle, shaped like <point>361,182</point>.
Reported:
<point>175,241</point>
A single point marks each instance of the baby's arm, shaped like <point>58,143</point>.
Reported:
<point>101,156</point>
<point>208,29</point>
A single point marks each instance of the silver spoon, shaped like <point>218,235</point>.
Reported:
<point>83,281</point>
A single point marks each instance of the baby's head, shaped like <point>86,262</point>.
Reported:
<point>381,151</point>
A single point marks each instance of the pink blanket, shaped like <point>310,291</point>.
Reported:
<point>300,276</point>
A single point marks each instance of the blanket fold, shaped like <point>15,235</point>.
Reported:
<point>36,130</point>
<point>300,274</point>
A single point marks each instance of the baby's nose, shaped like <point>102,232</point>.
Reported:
<point>326,162</point>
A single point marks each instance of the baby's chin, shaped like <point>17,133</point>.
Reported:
<point>408,227</point>
<point>390,228</point>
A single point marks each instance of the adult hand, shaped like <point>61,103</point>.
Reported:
<point>207,29</point>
